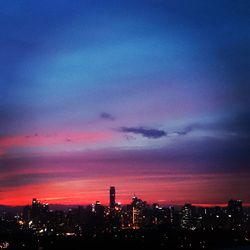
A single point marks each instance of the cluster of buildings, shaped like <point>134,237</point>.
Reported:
<point>230,217</point>
<point>96,218</point>
<point>186,227</point>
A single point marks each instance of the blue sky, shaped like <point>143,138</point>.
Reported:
<point>170,76</point>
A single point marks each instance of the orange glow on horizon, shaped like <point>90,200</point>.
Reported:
<point>198,190</point>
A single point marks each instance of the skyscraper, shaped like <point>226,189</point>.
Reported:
<point>112,197</point>
<point>187,216</point>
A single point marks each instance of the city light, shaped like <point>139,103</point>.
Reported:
<point>131,221</point>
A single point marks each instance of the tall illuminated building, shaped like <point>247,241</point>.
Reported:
<point>135,217</point>
<point>187,216</point>
<point>112,197</point>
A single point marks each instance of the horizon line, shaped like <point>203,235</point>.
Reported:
<point>204,205</point>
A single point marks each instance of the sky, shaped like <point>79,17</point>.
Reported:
<point>150,96</point>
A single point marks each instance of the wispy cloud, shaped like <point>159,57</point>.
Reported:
<point>37,140</point>
<point>237,125</point>
<point>107,116</point>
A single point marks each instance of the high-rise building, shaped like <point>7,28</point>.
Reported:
<point>234,206</point>
<point>112,197</point>
<point>235,213</point>
<point>187,216</point>
<point>135,217</point>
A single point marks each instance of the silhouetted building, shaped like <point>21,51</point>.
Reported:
<point>235,213</point>
<point>234,206</point>
<point>112,197</point>
<point>27,213</point>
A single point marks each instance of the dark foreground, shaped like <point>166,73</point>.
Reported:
<point>132,239</point>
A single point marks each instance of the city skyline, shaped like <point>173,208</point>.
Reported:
<point>136,225</point>
<point>148,96</point>
<point>112,203</point>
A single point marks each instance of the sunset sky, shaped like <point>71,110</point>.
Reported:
<point>152,97</point>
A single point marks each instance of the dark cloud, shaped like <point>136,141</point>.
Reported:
<point>237,125</point>
<point>184,131</point>
<point>107,116</point>
<point>145,132</point>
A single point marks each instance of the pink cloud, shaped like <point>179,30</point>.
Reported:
<point>63,138</point>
